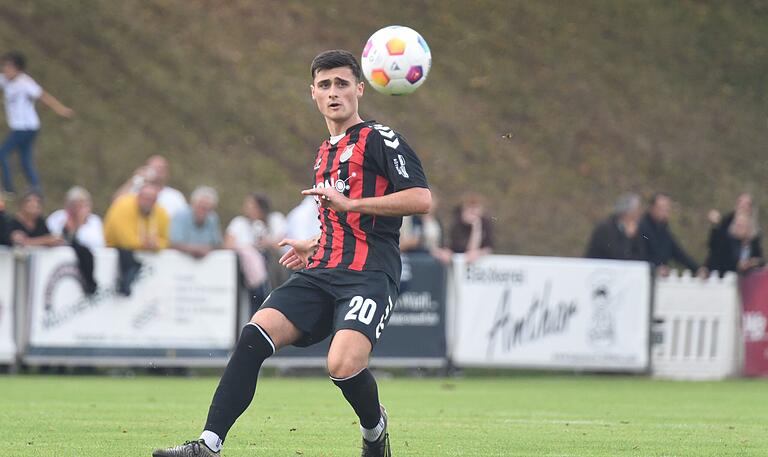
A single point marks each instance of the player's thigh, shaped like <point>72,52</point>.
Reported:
<point>362,311</point>
<point>348,354</point>
<point>278,327</point>
<point>366,305</point>
<point>305,305</point>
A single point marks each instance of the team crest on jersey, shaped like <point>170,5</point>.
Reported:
<point>341,185</point>
<point>347,154</point>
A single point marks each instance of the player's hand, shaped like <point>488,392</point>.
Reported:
<point>298,256</point>
<point>330,198</point>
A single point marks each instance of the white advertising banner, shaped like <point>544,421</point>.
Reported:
<point>179,307</point>
<point>544,312</point>
<point>7,316</point>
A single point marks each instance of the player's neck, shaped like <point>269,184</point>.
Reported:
<point>339,128</point>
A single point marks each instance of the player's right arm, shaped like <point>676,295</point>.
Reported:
<point>301,250</point>
<point>415,200</point>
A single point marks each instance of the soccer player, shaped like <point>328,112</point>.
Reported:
<point>366,178</point>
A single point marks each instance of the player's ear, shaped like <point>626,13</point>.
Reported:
<point>312,90</point>
<point>360,89</point>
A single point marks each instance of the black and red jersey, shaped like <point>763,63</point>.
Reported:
<point>371,160</point>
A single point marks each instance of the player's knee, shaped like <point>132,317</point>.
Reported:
<point>342,366</point>
<point>279,328</point>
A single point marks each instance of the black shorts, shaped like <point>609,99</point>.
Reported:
<point>320,302</point>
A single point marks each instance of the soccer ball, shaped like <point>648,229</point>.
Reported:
<point>396,60</point>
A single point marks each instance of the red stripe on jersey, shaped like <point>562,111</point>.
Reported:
<point>337,242</point>
<point>320,169</point>
<point>381,188</point>
<point>381,185</point>
<point>353,219</point>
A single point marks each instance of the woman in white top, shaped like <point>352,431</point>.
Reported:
<point>254,234</point>
<point>256,226</point>
<point>21,92</point>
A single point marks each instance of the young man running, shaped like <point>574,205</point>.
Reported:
<point>21,92</point>
<point>366,178</point>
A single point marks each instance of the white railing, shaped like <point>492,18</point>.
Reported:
<point>696,327</point>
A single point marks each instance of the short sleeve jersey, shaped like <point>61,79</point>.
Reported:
<point>370,160</point>
<point>20,94</point>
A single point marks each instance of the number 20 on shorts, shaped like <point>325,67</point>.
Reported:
<point>363,310</point>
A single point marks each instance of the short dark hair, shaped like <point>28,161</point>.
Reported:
<point>336,58</point>
<point>16,58</point>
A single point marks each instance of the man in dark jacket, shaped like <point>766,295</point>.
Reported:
<point>617,237</point>
<point>660,243</point>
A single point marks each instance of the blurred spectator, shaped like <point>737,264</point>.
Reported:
<point>254,236</point>
<point>135,222</point>
<point>28,227</point>
<point>736,247</point>
<point>5,222</point>
<point>718,235</point>
<point>302,222</point>
<point>471,230</point>
<point>257,225</point>
<point>744,204</point>
<point>21,92</point>
<point>660,244</point>
<point>82,230</point>
<point>155,170</point>
<point>77,220</point>
<point>617,237</point>
<point>196,230</point>
<point>424,233</point>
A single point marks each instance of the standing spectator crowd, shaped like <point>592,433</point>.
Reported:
<point>146,214</point>
<point>631,234</point>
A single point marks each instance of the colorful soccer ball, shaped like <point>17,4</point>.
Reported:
<point>396,60</point>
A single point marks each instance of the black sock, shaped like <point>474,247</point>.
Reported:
<point>238,384</point>
<point>361,392</point>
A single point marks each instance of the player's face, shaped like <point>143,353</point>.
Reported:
<point>336,92</point>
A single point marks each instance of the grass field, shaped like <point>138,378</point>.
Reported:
<point>515,416</point>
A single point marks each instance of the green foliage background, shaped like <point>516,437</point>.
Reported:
<point>599,98</point>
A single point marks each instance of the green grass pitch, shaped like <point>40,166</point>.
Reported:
<point>519,415</point>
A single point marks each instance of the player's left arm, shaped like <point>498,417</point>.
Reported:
<point>415,200</point>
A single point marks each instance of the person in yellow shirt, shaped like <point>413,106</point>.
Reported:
<point>137,222</point>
